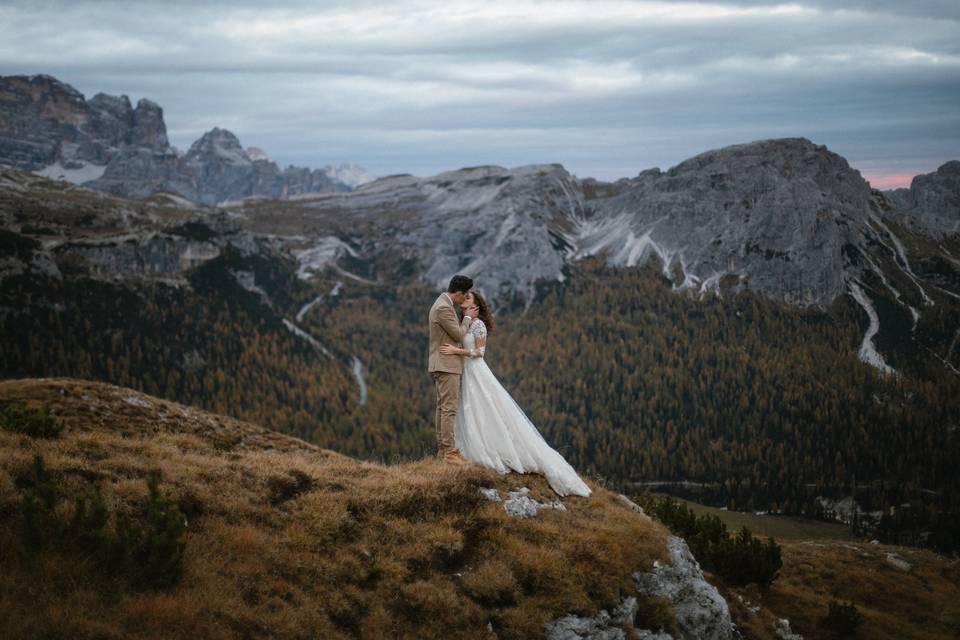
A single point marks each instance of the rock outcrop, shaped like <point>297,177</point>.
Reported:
<point>701,612</point>
<point>603,626</point>
<point>932,203</point>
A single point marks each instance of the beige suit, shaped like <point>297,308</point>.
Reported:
<point>446,370</point>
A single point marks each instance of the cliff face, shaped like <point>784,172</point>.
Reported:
<point>786,217</point>
<point>932,203</point>
<point>48,126</point>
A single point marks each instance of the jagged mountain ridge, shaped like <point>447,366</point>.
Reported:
<point>267,309</point>
<point>784,217</point>
<point>48,127</point>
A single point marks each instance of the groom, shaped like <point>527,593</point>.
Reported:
<point>445,328</point>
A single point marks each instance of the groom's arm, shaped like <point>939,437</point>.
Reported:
<point>448,321</point>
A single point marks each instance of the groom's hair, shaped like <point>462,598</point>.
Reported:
<point>459,283</point>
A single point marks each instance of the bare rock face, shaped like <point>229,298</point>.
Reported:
<point>216,169</point>
<point>784,217</point>
<point>932,203</point>
<point>772,215</point>
<point>490,221</point>
<point>701,612</point>
<point>48,126</point>
<point>149,129</point>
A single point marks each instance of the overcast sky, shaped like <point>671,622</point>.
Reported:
<point>606,88</point>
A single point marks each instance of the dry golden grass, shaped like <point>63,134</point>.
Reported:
<point>896,604</point>
<point>287,540</point>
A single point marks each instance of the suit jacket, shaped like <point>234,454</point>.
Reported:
<point>445,328</point>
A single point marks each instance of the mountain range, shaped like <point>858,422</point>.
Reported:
<point>756,319</point>
<point>48,127</point>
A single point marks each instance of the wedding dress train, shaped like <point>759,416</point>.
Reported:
<point>492,430</point>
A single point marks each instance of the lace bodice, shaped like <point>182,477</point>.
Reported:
<point>476,333</point>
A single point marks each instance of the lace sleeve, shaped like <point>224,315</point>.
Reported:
<point>479,331</point>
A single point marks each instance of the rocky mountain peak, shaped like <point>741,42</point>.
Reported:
<point>149,129</point>
<point>220,146</point>
<point>47,126</point>
<point>118,107</point>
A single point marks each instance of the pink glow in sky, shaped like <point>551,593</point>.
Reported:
<point>887,180</point>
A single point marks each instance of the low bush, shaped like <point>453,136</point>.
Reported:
<point>841,620</point>
<point>149,556</point>
<point>739,559</point>
<point>34,422</point>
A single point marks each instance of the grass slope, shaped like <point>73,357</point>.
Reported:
<point>823,562</point>
<point>287,540</point>
<point>918,602</point>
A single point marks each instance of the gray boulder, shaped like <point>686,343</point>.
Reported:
<point>603,626</point>
<point>700,610</point>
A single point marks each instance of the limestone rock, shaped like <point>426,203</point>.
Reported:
<point>700,610</point>
<point>520,505</point>
<point>490,494</point>
<point>603,626</point>
<point>784,632</point>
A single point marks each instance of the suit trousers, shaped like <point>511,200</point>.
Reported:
<point>448,399</point>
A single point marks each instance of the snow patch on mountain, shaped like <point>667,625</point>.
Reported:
<point>325,251</point>
<point>77,175</point>
<point>358,374</point>
<point>348,174</point>
<point>868,352</point>
<point>256,153</point>
<point>306,336</point>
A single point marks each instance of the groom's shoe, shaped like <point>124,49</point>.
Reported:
<point>453,455</point>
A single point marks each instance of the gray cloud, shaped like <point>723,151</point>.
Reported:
<point>608,88</point>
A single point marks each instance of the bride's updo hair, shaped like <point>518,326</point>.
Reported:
<point>484,308</point>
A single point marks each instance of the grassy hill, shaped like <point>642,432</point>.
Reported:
<point>901,592</point>
<point>284,539</point>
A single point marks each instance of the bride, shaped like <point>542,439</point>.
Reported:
<point>490,427</point>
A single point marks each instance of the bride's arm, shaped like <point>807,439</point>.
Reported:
<point>448,349</point>
<point>480,338</point>
<point>481,347</point>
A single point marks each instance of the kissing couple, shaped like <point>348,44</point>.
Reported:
<point>477,420</point>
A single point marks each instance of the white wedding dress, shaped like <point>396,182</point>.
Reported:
<point>491,429</point>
